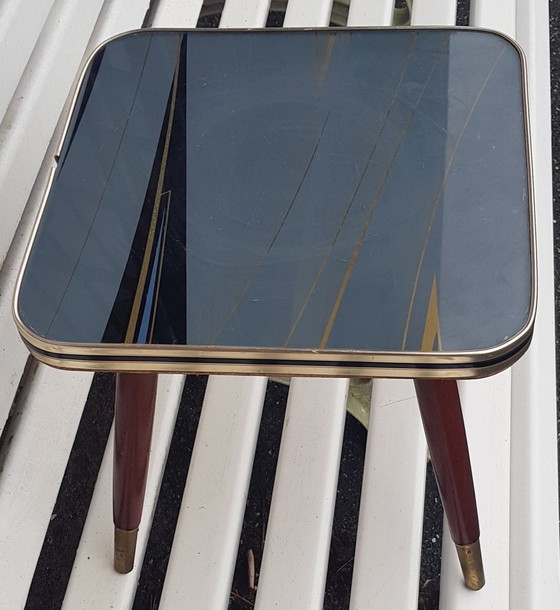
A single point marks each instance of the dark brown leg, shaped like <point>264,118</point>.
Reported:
<point>442,417</point>
<point>134,416</point>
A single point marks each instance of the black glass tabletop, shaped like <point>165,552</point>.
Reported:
<point>351,202</point>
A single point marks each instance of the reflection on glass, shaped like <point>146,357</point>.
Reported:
<point>348,190</point>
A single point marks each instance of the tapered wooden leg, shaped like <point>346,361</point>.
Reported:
<point>134,415</point>
<point>440,407</point>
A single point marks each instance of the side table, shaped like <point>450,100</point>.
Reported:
<point>350,202</point>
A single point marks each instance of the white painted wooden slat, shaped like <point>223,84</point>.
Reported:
<point>500,15</point>
<point>13,353</point>
<point>308,13</point>
<point>387,560</point>
<point>33,112</point>
<point>19,30</point>
<point>94,559</point>
<point>370,12</point>
<point>486,409</point>
<point>207,536</point>
<point>434,12</point>
<point>295,557</point>
<point>115,18</point>
<point>244,13</point>
<point>48,416</point>
<point>535,561</point>
<point>173,14</point>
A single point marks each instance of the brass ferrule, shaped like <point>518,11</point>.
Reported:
<point>470,557</point>
<point>125,548</point>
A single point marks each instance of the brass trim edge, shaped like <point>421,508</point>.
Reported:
<point>61,354</point>
<point>307,368</point>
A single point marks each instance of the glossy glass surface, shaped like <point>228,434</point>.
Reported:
<point>330,190</point>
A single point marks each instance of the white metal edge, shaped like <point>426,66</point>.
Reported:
<point>32,473</point>
<point>209,525</point>
<point>298,535</point>
<point>535,560</point>
<point>387,560</point>
<point>93,582</point>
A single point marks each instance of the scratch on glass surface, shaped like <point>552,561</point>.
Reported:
<point>350,268</point>
<point>439,197</point>
<point>260,264</point>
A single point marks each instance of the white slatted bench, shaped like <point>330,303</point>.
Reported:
<point>510,418</point>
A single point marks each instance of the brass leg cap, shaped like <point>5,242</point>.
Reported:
<point>125,548</point>
<point>471,564</point>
